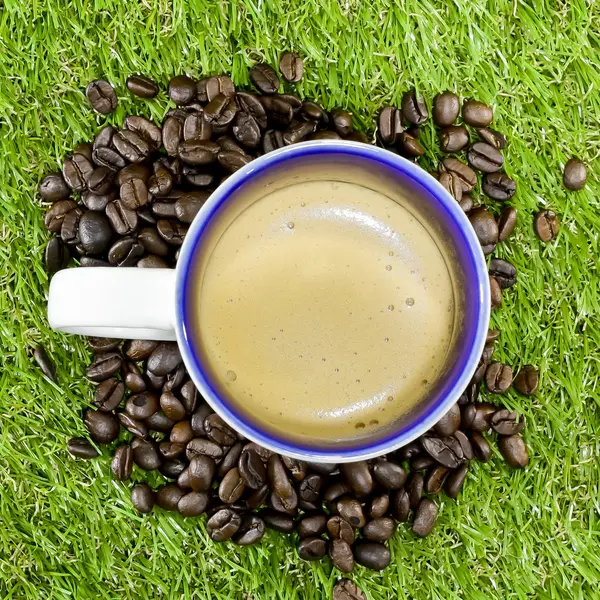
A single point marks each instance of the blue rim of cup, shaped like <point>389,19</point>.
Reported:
<point>469,354</point>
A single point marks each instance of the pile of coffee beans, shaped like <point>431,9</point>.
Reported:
<point>127,199</point>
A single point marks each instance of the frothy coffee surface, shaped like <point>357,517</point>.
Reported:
<point>326,309</point>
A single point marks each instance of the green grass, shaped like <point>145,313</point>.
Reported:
<point>68,531</point>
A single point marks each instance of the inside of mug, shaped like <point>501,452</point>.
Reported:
<point>443,227</point>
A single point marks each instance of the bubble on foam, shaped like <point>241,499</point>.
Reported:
<point>291,225</point>
<point>360,425</point>
<point>388,267</point>
<point>410,301</point>
<point>391,307</point>
<point>231,375</point>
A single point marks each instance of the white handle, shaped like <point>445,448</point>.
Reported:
<point>119,302</point>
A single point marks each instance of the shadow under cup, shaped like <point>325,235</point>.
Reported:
<point>426,200</point>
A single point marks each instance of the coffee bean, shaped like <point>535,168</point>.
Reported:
<point>445,110</point>
<point>142,86</point>
<point>145,454</point>
<point>546,225</point>
<point>507,422</point>
<point>171,406</point>
<point>193,504</point>
<point>198,418</point>
<point>246,130</point>
<point>574,174</point>
<point>123,220</point>
<point>298,132</point>
<point>171,450</point>
<point>56,255</point>
<point>131,146</point>
<point>272,140</point>
<point>287,504</point>
<point>388,474</point>
<point>172,469</point>
<point>200,446</point>
<point>527,380</point>
<point>291,67</point>
<point>335,490</point>
<point>230,460</point>
<point>312,526</point>
<point>76,171</point>
<point>142,406</point>
<point>122,463</point>
<point>134,194</point>
<point>125,252</point>
<point>201,472</point>
<point>310,488</point>
<point>341,121</point>
<point>69,230</point>
<point>197,127</point>
<point>410,146</point>
<point>390,125</point>
<point>465,445</point>
<point>44,362</point>
<point>401,500</point>
<point>100,181</point>
<point>56,215</point>
<point>278,522</point>
<point>467,176</point>
<point>104,366</point>
<point>94,232</point>
<point>492,137</point>
<point>101,96</point>
<point>425,518</point>
<point>408,451</point>
<point>279,112</point>
<point>358,477</point>
<point>498,378</point>
<point>414,108</point>
<point>455,480</point>
<point>351,510</point>
<point>435,478</point>
<point>108,394</point>
<point>81,448</point>
<point>477,114</point>
<point>514,451</point>
<point>152,262</point>
<point>146,129</point>
<point>164,358</point>
<point>379,506</point>
<point>495,294</point>
<point>339,529</point>
<point>233,161</point>
<point>142,498</point>
<point>182,90</point>
<point>198,152</point>
<point>380,530</point>
<point>421,462</point>
<point>232,487</point>
<point>250,532</point>
<point>264,78</point>
<point>453,138</point>
<point>452,183</point>
<point>159,422</point>
<point>340,553</point>
<point>218,431</point>
<point>54,187</point>
<point>219,84</point>
<point>135,426</point>
<point>485,158</point>
<point>485,226</point>
<point>445,450</point>
<point>223,524</point>
<point>189,396</point>
<point>503,272</point>
<point>498,186</point>
<point>138,350</point>
<point>181,433</point>
<point>481,448</point>
<point>103,427</point>
<point>258,497</point>
<point>372,555</point>
<point>107,157</point>
<point>506,223</point>
<point>168,496</point>
<point>347,590</point>
<point>252,469</point>
<point>312,548</point>
<point>449,423</point>
<point>278,477</point>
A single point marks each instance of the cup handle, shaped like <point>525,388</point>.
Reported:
<point>119,302</point>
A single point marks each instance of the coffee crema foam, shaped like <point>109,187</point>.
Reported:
<point>325,311</point>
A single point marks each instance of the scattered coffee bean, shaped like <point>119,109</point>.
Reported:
<point>340,553</point>
<point>347,590</point>
<point>389,475</point>
<point>546,225</point>
<point>358,477</point>
<point>142,86</point>
<point>142,498</point>
<point>445,110</point>
<point>103,427</point>
<point>506,223</point>
<point>455,480</point>
<point>312,548</point>
<point>145,454</point>
<point>101,96</point>
<point>122,463</point>
<point>54,187</point>
<point>390,125</point>
<point>504,272</point>
<point>492,137</point>
<point>414,108</point>
<point>485,158</point>
<point>182,89</point>
<point>425,518</point>
<point>81,448</point>
<point>44,362</point>
<point>379,530</point>
<point>498,378</point>
<point>514,451</point>
<point>574,174</point>
<point>476,114</point>
<point>339,528</point>
<point>372,555</point>
<point>291,67</point>
<point>265,78</point>
<point>453,138</point>
<point>250,532</point>
<point>498,186</point>
<point>527,380</point>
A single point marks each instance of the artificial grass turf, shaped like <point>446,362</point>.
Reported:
<point>68,531</point>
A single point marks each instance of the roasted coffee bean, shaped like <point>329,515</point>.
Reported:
<point>182,90</point>
<point>503,272</point>
<point>146,129</point>
<point>153,242</point>
<point>498,186</point>
<point>200,446</point>
<point>312,526</point>
<point>341,121</point>
<point>425,518</point>
<point>445,450</point>
<point>291,67</point>
<point>272,140</point>
<point>123,220</point>
<point>452,183</point>
<point>477,114</point>
<point>507,422</point>
<point>514,451</point>
<point>421,462</point>
<point>467,176</point>
<point>278,477</point>
<point>101,96</point>
<point>134,194</point>
<point>250,532</point>
<point>347,590</point>
<point>104,366</point>
<point>527,380</point>
<point>142,406</point>
<point>401,501</point>
<point>233,161</point>
<point>138,350</point>
<point>312,548</point>
<point>249,104</point>
<point>339,529</point>
<point>358,477</point>
<point>145,454</point>
<point>414,108</point>
<point>193,504</point>
<point>379,506</point>
<point>232,487</point>
<point>94,232</point>
<point>131,146</point>
<point>171,450</point>
<point>122,463</point>
<point>171,406</point>
<point>164,358</point>
<point>351,510</point>
<point>279,112</point>
<point>218,431</point>
<point>223,524</point>
<point>325,135</point>
<point>449,423</point>
<point>161,183</point>
<point>492,137</point>
<point>297,468</point>
<point>56,215</point>
<point>246,130</point>
<point>453,138</point>
<point>288,505</point>
<point>44,362</point>
<point>201,472</point>
<point>135,426</point>
<point>481,448</point>
<point>198,152</point>
<point>107,157</point>
<point>172,134</point>
<point>103,427</point>
<point>340,553</point>
<point>410,146</point>
<point>498,378</point>
<point>264,78</point>
<point>230,460</point>
<point>445,110</point>
<point>258,497</point>
<point>574,174</point>
<point>506,223</point>
<point>310,488</point>
<point>108,394</point>
<point>81,448</point>
<point>69,230</point>
<point>160,422</point>
<point>172,468</point>
<point>183,481</point>
<point>481,416</point>
<point>84,148</point>
<point>189,397</point>
<point>485,158</point>
<point>198,418</point>
<point>372,555</point>
<point>103,138</point>
<point>324,468</point>
<point>253,471</point>
<point>546,225</point>
<point>277,521</point>
<point>219,84</point>
<point>142,86</point>
<point>484,225</point>
<point>408,451</point>
<point>434,480</point>
<point>100,181</point>
<point>379,530</point>
<point>142,498</point>
<point>125,252</point>
<point>495,294</point>
<point>152,262</point>
<point>388,474</point>
<point>465,445</point>
<point>455,480</point>
<point>298,132</point>
<point>390,125</point>
<point>336,490</point>
<point>76,171</point>
<point>181,433</point>
<point>56,255</point>
<point>54,187</point>
<point>312,111</point>
<point>168,496</point>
